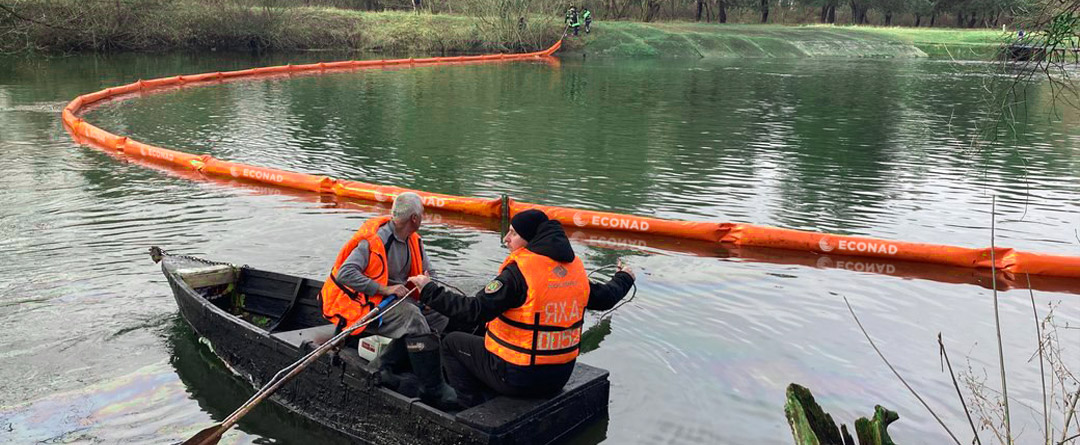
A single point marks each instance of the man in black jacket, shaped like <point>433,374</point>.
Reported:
<point>532,337</point>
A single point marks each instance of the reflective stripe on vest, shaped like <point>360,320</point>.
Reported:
<point>546,329</point>
<point>344,306</point>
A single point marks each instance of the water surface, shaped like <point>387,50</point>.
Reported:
<point>93,349</point>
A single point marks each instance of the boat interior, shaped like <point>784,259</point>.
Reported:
<point>285,306</point>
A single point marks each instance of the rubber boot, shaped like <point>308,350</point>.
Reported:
<point>427,365</point>
<point>387,362</point>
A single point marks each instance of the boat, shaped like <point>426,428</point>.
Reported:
<point>258,322</point>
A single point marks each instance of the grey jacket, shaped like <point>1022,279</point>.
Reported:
<point>351,272</point>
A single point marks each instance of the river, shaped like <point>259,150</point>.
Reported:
<point>93,350</point>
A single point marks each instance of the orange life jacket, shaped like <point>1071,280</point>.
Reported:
<point>546,329</point>
<point>344,306</point>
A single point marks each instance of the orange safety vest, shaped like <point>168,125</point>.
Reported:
<point>546,329</point>
<point>344,306</point>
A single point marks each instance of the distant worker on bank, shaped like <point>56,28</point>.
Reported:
<point>375,262</point>
<point>533,309</point>
<point>572,19</point>
<point>586,16</point>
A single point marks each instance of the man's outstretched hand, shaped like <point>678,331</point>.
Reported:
<point>420,281</point>
<point>620,267</point>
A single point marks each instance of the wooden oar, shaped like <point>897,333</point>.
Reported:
<point>211,435</point>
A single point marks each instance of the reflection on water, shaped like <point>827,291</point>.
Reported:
<point>152,405</point>
<point>93,350</point>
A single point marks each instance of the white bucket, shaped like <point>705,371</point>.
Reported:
<point>371,346</point>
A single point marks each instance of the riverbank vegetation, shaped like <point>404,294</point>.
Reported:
<point>443,27</point>
<point>259,25</point>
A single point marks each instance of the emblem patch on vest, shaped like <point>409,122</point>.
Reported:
<point>493,287</point>
<point>559,271</point>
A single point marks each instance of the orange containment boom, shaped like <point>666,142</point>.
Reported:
<point>1005,260</point>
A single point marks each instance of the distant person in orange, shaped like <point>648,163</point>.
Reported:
<point>533,312</point>
<point>375,262</point>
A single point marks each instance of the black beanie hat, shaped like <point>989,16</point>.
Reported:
<point>526,223</point>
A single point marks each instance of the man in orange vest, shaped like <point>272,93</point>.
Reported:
<point>533,310</point>
<point>375,262</point>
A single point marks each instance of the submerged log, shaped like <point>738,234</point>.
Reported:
<point>811,425</point>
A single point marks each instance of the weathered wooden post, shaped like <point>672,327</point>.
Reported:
<point>810,425</point>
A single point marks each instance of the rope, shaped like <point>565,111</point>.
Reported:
<point>606,314</point>
<point>158,254</point>
<point>633,293</point>
<point>449,285</point>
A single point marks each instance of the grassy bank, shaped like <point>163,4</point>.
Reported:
<point>632,39</point>
<point>158,25</point>
<point>964,44</point>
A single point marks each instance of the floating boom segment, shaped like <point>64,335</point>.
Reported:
<point>382,193</point>
<point>588,219</point>
<point>1005,260</point>
<point>761,236</point>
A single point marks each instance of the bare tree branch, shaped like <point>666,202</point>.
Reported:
<point>8,9</point>
<point>897,374</point>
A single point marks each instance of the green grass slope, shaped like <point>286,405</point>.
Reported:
<point>674,39</point>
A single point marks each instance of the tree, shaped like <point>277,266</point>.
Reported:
<point>889,8</point>
<point>922,8</point>
<point>828,12</point>
<point>858,12</point>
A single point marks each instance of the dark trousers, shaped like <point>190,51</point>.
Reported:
<point>478,375</point>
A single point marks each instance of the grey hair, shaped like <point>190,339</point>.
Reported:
<point>406,205</point>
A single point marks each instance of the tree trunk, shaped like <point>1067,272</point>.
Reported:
<point>828,13</point>
<point>700,8</point>
<point>973,20</point>
<point>888,19</point>
<point>653,9</point>
<point>764,11</point>
<point>854,12</point>
<point>933,16</point>
<point>918,19</point>
<point>959,19</point>
<point>721,11</point>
